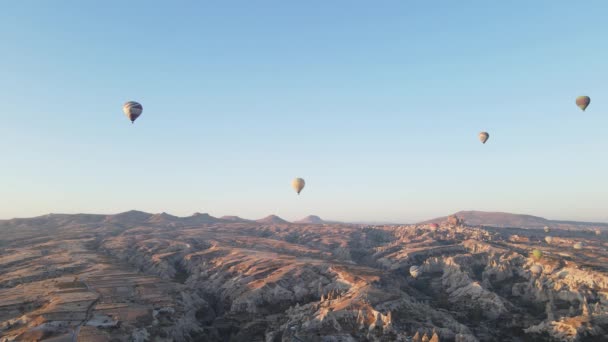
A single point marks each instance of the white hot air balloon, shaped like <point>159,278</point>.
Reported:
<point>132,110</point>
<point>298,184</point>
<point>578,245</point>
<point>549,239</point>
<point>415,271</point>
<point>536,269</point>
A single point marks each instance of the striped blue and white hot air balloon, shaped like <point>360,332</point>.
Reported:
<point>132,110</point>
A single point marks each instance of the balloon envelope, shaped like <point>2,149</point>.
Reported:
<point>536,269</point>
<point>537,254</point>
<point>483,137</point>
<point>132,110</point>
<point>547,229</point>
<point>548,239</point>
<point>583,101</point>
<point>578,245</point>
<point>298,184</point>
<point>415,271</point>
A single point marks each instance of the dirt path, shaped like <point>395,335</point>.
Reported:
<point>88,315</point>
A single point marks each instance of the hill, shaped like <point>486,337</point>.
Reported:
<point>129,217</point>
<point>162,218</point>
<point>501,219</point>
<point>272,219</point>
<point>198,218</point>
<point>233,218</point>
<point>311,219</point>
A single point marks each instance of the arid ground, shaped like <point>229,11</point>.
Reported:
<point>141,277</point>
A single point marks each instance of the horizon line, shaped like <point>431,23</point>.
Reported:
<point>372,221</point>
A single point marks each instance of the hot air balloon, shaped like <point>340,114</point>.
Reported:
<point>582,102</point>
<point>578,245</point>
<point>549,239</point>
<point>598,232</point>
<point>132,110</point>
<point>536,269</point>
<point>298,184</point>
<point>547,229</point>
<point>483,137</point>
<point>434,225</point>
<point>537,254</point>
<point>415,271</point>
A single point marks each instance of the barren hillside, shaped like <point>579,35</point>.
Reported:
<point>498,219</point>
<point>141,277</point>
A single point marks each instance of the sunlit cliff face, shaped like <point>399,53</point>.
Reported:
<point>136,276</point>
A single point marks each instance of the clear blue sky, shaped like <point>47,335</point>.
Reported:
<point>377,104</point>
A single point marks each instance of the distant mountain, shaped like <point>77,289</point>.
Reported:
<point>135,217</point>
<point>500,219</point>
<point>232,218</point>
<point>311,219</point>
<point>129,217</point>
<point>314,219</point>
<point>56,220</point>
<point>163,218</point>
<point>272,219</point>
<point>198,218</point>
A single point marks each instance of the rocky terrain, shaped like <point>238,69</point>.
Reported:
<point>142,277</point>
<point>498,219</point>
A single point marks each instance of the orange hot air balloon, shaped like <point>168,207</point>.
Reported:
<point>483,137</point>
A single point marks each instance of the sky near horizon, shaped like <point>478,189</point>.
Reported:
<point>376,104</point>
